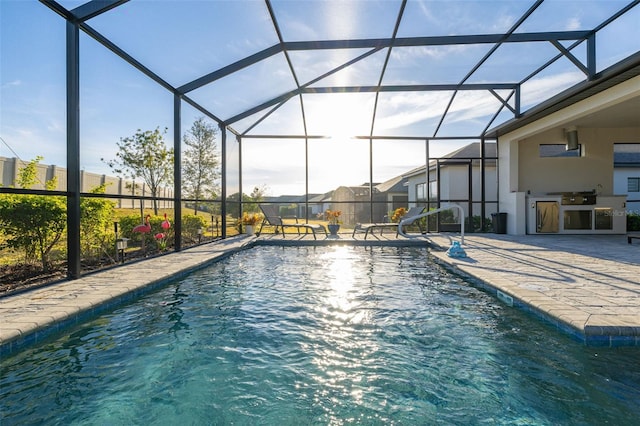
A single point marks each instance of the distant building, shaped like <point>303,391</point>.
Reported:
<point>296,205</point>
<point>456,178</point>
<point>353,201</point>
<point>453,179</point>
<point>626,174</point>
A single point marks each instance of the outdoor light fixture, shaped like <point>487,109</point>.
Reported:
<point>121,246</point>
<point>572,138</point>
<point>121,243</point>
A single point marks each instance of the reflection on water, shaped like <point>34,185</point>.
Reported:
<point>325,335</point>
<point>344,345</point>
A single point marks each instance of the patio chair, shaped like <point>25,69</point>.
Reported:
<point>369,227</point>
<point>272,218</point>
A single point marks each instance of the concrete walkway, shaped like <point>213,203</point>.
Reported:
<point>588,286</point>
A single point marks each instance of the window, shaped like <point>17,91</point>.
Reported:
<point>433,190</point>
<point>633,184</point>
<point>558,150</point>
<point>421,192</point>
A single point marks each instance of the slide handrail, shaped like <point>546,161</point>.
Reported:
<point>430,212</point>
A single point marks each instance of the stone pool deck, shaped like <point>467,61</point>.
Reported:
<point>587,286</point>
<point>32,316</point>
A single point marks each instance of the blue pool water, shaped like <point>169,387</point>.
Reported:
<point>326,335</point>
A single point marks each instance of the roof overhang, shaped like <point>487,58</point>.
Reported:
<point>626,112</point>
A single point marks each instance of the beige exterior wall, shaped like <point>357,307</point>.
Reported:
<point>538,175</point>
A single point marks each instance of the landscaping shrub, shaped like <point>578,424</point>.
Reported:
<point>96,221</point>
<point>32,224</point>
<point>190,225</point>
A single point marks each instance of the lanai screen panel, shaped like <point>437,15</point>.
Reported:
<point>32,86</point>
<point>182,41</point>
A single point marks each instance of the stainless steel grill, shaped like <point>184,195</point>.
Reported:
<point>578,198</point>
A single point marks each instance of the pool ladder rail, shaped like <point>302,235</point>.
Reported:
<point>403,222</point>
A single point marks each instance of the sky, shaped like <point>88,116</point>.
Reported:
<point>183,40</point>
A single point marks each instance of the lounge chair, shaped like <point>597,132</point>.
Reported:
<point>369,227</point>
<point>273,218</point>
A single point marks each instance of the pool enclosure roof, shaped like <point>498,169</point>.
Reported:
<point>369,69</point>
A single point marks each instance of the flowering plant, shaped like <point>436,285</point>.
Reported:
<point>161,240</point>
<point>332,216</point>
<point>250,219</point>
<point>398,214</point>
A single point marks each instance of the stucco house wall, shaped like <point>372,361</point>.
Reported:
<point>454,182</point>
<point>538,175</point>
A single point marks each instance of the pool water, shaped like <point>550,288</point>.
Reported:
<point>319,335</point>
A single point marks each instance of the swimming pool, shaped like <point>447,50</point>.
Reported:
<point>319,335</point>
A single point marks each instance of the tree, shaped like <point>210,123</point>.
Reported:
<point>251,201</point>
<point>145,155</point>
<point>200,171</point>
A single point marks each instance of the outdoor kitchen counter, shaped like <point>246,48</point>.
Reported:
<point>607,214</point>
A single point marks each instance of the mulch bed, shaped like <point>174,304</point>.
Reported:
<point>24,276</point>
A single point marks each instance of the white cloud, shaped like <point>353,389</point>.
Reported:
<point>538,90</point>
<point>503,22</point>
<point>573,24</point>
<point>13,83</point>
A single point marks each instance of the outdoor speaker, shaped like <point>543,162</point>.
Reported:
<point>572,138</point>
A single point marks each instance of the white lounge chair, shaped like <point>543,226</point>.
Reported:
<point>367,228</point>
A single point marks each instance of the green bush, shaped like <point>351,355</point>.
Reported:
<point>33,224</point>
<point>190,225</point>
<point>96,221</point>
<point>476,221</point>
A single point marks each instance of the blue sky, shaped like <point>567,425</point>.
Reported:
<point>183,40</point>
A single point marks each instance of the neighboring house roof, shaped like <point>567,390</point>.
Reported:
<point>356,189</point>
<point>396,184</point>
<point>298,199</point>
<point>320,198</point>
<point>472,150</point>
<point>462,155</point>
